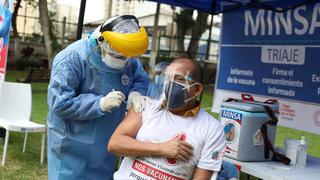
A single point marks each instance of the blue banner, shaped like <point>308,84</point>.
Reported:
<point>5,22</point>
<point>271,53</point>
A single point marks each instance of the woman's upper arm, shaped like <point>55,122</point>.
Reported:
<point>130,124</point>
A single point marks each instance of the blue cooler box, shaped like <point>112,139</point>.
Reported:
<point>242,121</point>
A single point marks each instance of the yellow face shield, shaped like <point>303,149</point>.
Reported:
<point>129,45</point>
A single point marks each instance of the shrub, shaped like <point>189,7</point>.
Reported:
<point>28,59</point>
<point>27,63</point>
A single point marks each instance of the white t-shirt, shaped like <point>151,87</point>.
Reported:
<point>203,132</point>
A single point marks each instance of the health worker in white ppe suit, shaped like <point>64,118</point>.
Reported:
<point>92,83</point>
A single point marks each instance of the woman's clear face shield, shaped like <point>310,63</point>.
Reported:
<point>173,91</point>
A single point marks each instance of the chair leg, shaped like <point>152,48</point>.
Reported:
<point>25,142</point>
<point>4,155</point>
<point>42,147</point>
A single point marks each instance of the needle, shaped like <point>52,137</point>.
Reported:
<point>122,100</point>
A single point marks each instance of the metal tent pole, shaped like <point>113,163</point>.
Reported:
<point>80,20</point>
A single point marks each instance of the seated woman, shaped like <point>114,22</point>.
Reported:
<point>173,139</point>
<point>155,86</point>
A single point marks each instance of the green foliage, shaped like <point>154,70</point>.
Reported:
<point>28,59</point>
<point>27,63</point>
<point>37,38</point>
<point>52,33</point>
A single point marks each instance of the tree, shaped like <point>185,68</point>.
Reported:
<point>15,15</point>
<point>50,39</point>
<point>197,27</point>
<point>16,37</point>
<point>14,18</point>
<point>184,21</point>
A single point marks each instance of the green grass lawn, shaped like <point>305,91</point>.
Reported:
<point>22,166</point>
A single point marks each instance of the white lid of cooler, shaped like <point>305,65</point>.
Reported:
<point>251,106</point>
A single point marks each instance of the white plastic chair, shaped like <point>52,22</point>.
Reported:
<point>15,114</point>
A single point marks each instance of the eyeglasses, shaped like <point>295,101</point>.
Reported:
<point>107,49</point>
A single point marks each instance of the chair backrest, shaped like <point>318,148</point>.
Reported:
<point>15,101</point>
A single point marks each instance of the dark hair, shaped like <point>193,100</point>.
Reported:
<point>196,71</point>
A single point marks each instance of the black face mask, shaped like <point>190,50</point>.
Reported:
<point>178,95</point>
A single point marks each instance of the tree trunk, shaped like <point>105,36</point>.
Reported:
<point>184,21</point>
<point>197,30</point>
<point>14,19</point>
<point>16,38</point>
<point>46,30</point>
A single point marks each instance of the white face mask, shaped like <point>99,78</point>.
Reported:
<point>111,58</point>
<point>113,62</point>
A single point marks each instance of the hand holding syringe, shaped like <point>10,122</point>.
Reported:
<point>122,99</point>
<point>112,100</point>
